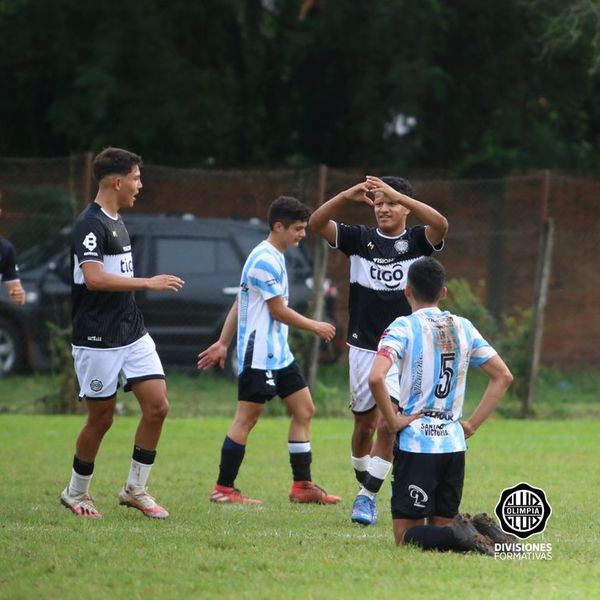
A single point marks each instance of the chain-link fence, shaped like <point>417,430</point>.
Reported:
<point>493,240</point>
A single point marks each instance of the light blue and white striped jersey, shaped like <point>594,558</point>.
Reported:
<point>262,341</point>
<point>434,349</point>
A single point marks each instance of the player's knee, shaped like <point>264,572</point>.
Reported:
<point>364,431</point>
<point>384,431</point>
<point>157,411</point>
<point>101,423</point>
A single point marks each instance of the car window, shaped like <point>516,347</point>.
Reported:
<point>195,256</point>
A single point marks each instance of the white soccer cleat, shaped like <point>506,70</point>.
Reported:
<point>144,502</point>
<point>81,505</point>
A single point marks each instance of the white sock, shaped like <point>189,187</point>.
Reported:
<point>360,463</point>
<point>379,467</point>
<point>364,492</point>
<point>79,484</point>
<point>138,476</point>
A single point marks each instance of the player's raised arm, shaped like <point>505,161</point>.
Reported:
<point>436,224</point>
<point>321,220</point>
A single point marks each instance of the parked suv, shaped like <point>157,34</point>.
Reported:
<point>207,253</point>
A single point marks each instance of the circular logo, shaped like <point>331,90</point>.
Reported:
<point>96,385</point>
<point>523,510</point>
<point>401,246</point>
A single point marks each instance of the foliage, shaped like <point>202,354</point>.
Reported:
<point>511,337</point>
<point>461,85</point>
<point>48,210</point>
<point>62,399</point>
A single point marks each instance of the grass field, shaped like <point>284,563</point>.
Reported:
<point>278,550</point>
<point>560,395</point>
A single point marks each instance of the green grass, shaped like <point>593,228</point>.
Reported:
<point>560,395</point>
<point>278,550</point>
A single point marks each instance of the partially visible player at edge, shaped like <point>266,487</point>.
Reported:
<point>266,366</point>
<point>9,271</point>
<point>379,259</point>
<point>109,336</point>
<point>433,350</point>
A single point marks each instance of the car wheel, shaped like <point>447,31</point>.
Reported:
<point>12,351</point>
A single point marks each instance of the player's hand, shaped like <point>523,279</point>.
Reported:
<point>16,295</point>
<point>401,420</point>
<point>374,184</point>
<point>326,331</point>
<point>359,193</point>
<point>213,355</point>
<point>467,428</point>
<point>165,283</point>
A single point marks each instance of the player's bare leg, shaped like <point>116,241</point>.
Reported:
<point>152,398</point>
<point>364,509</point>
<point>362,442</point>
<point>76,495</point>
<point>232,454</point>
<point>302,409</point>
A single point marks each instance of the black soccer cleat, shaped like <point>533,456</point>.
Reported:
<point>469,538</point>
<point>487,526</point>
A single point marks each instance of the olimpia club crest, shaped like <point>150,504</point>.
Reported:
<point>523,510</point>
<point>401,246</point>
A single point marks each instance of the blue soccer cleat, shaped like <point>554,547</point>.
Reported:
<point>364,510</point>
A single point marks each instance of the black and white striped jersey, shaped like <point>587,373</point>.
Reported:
<point>9,271</point>
<point>103,319</point>
<point>378,273</point>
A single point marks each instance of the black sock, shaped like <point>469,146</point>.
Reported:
<point>371,483</point>
<point>300,461</point>
<point>82,468</point>
<point>432,537</point>
<point>232,455</point>
<point>360,476</point>
<point>146,457</point>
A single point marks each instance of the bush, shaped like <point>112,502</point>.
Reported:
<point>511,337</point>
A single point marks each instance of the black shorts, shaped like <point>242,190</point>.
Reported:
<point>257,385</point>
<point>427,485</point>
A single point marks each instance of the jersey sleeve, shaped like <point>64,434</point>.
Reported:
<point>10,270</point>
<point>89,241</point>
<point>347,238</point>
<point>423,244</point>
<point>481,351</point>
<point>266,276</point>
<point>395,338</point>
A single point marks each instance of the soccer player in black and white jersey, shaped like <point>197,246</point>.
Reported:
<point>9,271</point>
<point>379,260</point>
<point>109,336</point>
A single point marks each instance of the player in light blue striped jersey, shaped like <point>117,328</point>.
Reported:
<point>433,350</point>
<point>266,366</point>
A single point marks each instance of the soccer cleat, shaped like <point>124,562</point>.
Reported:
<point>470,538</point>
<point>144,502</point>
<point>81,505</point>
<point>364,510</point>
<point>231,495</point>
<point>307,491</point>
<point>487,526</point>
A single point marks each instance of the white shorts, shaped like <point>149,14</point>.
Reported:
<point>361,361</point>
<point>98,369</point>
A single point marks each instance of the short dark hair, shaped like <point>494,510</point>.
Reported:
<point>426,278</point>
<point>287,210</point>
<point>113,161</point>
<point>399,184</point>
